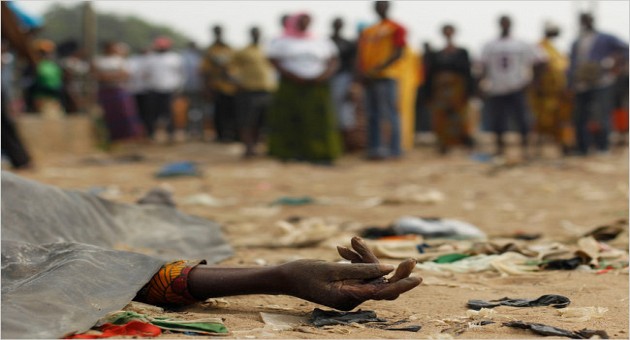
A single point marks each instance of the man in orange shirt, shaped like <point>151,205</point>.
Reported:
<point>380,47</point>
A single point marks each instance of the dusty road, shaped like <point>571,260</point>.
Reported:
<point>560,199</point>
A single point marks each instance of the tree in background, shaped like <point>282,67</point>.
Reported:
<point>63,23</point>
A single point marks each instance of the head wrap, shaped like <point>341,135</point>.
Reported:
<point>162,43</point>
<point>291,28</point>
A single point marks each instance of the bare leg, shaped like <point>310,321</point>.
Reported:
<point>248,137</point>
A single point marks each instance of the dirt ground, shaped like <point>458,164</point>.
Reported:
<point>559,198</point>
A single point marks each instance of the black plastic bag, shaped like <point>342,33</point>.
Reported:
<point>547,330</point>
<point>556,301</point>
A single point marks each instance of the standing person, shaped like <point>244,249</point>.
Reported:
<point>423,113</point>
<point>193,86</point>
<point>15,38</point>
<point>254,75</point>
<point>75,70</point>
<point>112,73</point>
<point>48,77</point>
<point>165,77</point>
<point>508,65</point>
<point>220,89</point>
<point>621,114</point>
<point>138,87</point>
<point>592,79</point>
<point>12,146</point>
<point>549,101</point>
<point>341,81</point>
<point>8,70</point>
<point>380,47</point>
<point>302,124</point>
<point>449,87</point>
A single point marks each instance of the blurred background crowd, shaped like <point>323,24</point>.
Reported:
<point>303,96</point>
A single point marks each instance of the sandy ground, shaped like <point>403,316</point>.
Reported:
<point>558,198</point>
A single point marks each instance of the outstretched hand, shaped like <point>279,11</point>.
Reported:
<point>345,286</point>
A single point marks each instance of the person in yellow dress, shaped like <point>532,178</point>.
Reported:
<point>549,100</point>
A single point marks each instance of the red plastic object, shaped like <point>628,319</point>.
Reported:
<point>133,328</point>
<point>620,120</point>
<point>605,270</point>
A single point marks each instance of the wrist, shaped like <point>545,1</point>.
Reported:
<point>284,278</point>
<point>272,280</point>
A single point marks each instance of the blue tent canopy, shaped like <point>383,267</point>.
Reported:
<point>27,20</point>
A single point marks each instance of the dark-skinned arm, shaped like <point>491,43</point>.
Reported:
<point>483,73</point>
<point>213,281</point>
<point>286,73</point>
<point>398,52</point>
<point>537,71</point>
<point>364,75</point>
<point>358,75</point>
<point>337,285</point>
<point>11,31</point>
<point>332,65</point>
<point>112,76</point>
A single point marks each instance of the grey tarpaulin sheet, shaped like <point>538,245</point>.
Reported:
<point>54,289</point>
<point>69,258</point>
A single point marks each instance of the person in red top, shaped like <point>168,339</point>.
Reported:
<point>380,47</point>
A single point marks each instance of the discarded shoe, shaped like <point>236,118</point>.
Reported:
<point>321,318</point>
<point>564,264</point>
<point>608,232</point>
<point>556,301</point>
<point>546,330</point>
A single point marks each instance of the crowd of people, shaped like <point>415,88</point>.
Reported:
<point>310,97</point>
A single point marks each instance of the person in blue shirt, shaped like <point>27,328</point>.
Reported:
<point>595,57</point>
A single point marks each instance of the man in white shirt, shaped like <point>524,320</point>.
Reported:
<point>509,67</point>
<point>165,77</point>
<point>193,88</point>
<point>138,87</point>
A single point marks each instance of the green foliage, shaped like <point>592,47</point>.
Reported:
<point>65,22</point>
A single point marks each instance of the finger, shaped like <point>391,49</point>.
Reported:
<point>349,255</point>
<point>391,291</point>
<point>364,251</point>
<point>404,270</point>
<point>361,271</point>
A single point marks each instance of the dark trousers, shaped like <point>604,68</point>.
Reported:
<point>159,108</point>
<point>225,118</point>
<point>594,108</point>
<point>501,108</point>
<point>12,146</point>
<point>381,96</point>
<point>197,113</point>
<point>142,102</point>
<point>251,108</point>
